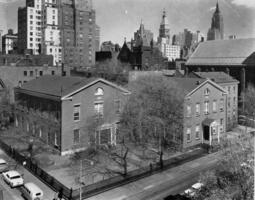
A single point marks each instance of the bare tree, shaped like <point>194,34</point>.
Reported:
<point>234,176</point>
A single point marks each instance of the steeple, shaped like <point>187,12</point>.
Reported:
<point>217,7</point>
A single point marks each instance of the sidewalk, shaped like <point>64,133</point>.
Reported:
<point>146,187</point>
<point>28,177</point>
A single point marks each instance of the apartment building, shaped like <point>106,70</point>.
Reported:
<point>66,110</point>
<point>38,29</point>
<point>9,42</point>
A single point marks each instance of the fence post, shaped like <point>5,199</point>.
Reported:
<point>71,194</point>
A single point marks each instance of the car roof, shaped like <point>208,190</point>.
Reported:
<point>197,186</point>
<point>13,173</point>
<point>33,187</point>
<point>2,161</point>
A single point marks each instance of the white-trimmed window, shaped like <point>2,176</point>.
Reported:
<point>214,106</point>
<point>197,130</point>
<point>56,139</point>
<point>221,105</point>
<point>188,134</point>
<point>117,106</point>
<point>99,108</point>
<point>76,112</point>
<point>76,136</point>
<point>206,107</point>
<point>188,111</point>
<point>99,92</point>
<point>197,109</point>
<point>207,92</point>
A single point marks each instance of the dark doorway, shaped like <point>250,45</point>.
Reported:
<point>206,132</point>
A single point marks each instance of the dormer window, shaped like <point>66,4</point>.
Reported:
<point>207,91</point>
<point>99,92</point>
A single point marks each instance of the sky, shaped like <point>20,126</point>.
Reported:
<point>121,18</point>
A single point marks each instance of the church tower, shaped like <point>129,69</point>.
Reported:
<point>216,32</point>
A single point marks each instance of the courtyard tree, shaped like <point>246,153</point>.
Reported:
<point>153,116</point>
<point>6,108</point>
<point>234,176</point>
<point>248,102</point>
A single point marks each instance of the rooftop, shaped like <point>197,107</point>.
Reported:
<point>224,52</point>
<point>217,77</point>
<point>55,85</point>
<point>61,86</point>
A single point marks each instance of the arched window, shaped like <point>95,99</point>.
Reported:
<point>99,92</point>
<point>207,91</point>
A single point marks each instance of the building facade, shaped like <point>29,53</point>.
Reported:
<point>14,76</point>
<point>80,34</point>
<point>38,29</point>
<point>171,52</point>
<point>230,85</point>
<point>1,33</point>
<point>204,111</point>
<point>235,57</point>
<point>74,113</point>
<point>216,32</point>
<point>142,37</point>
<point>9,42</point>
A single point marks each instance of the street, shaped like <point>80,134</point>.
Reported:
<point>158,186</point>
<point>15,194</point>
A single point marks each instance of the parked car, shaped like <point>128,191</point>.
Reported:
<point>194,188</point>
<point>3,165</point>
<point>32,192</point>
<point>13,178</point>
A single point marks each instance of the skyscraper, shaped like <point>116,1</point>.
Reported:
<point>171,52</point>
<point>38,29</point>
<point>216,32</point>
<point>142,37</point>
<point>1,32</point>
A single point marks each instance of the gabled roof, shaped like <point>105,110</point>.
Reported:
<point>191,85</point>
<point>224,52</point>
<point>62,87</point>
<point>217,77</point>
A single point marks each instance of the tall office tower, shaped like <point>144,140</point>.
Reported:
<point>216,32</point>
<point>38,29</point>
<point>79,38</point>
<point>171,52</point>
<point>1,32</point>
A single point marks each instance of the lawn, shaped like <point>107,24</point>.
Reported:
<point>96,164</point>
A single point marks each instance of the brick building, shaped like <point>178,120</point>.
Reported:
<point>235,57</point>
<point>80,34</point>
<point>63,109</point>
<point>25,60</point>
<point>231,86</point>
<point>14,76</point>
<point>204,120</point>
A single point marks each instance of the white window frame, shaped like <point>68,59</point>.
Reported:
<point>188,132</point>
<point>99,92</point>
<point>197,109</point>
<point>197,130</point>
<point>214,105</point>
<point>188,111</point>
<point>206,108</point>
<point>77,106</point>
<point>97,109</point>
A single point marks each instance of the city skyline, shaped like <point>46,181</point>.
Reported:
<point>125,16</point>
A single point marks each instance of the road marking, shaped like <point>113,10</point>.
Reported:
<point>121,197</point>
<point>148,187</point>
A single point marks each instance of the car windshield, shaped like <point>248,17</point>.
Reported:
<point>38,194</point>
<point>2,163</point>
<point>15,177</point>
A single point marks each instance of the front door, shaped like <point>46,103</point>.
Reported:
<point>206,130</point>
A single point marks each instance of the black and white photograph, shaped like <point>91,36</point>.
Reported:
<point>127,99</point>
